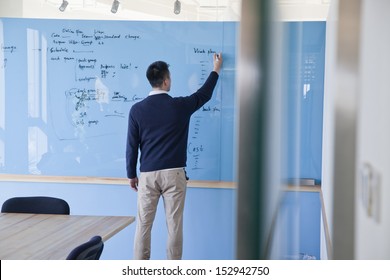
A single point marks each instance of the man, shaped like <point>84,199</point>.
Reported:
<point>158,126</point>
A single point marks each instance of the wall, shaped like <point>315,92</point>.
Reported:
<point>371,212</point>
<point>308,10</point>
<point>373,218</point>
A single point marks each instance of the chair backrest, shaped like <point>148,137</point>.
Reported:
<point>90,250</point>
<point>36,205</point>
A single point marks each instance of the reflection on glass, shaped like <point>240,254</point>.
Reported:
<point>3,63</point>
<point>37,147</point>
<point>33,71</point>
<point>2,155</point>
<point>44,79</point>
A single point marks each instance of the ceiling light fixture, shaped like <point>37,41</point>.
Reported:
<point>63,5</point>
<point>115,6</point>
<point>177,7</point>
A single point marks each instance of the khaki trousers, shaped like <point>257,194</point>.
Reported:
<point>171,184</point>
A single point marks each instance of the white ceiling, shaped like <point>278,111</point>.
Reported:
<point>221,10</point>
<point>191,10</point>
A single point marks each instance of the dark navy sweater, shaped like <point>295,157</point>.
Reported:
<point>158,127</point>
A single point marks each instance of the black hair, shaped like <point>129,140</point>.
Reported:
<point>157,72</point>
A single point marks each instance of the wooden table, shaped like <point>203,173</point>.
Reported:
<point>44,237</point>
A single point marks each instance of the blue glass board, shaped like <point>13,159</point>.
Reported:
<point>67,87</point>
<point>303,83</point>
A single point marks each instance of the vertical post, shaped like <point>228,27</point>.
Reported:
<point>345,117</point>
<point>258,149</point>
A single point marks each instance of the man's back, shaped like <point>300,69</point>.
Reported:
<point>159,125</point>
<point>162,123</point>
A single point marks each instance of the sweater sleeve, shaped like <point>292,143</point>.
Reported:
<point>204,93</point>
<point>132,147</point>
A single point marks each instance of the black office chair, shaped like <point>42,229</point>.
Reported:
<point>36,205</point>
<point>90,250</point>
